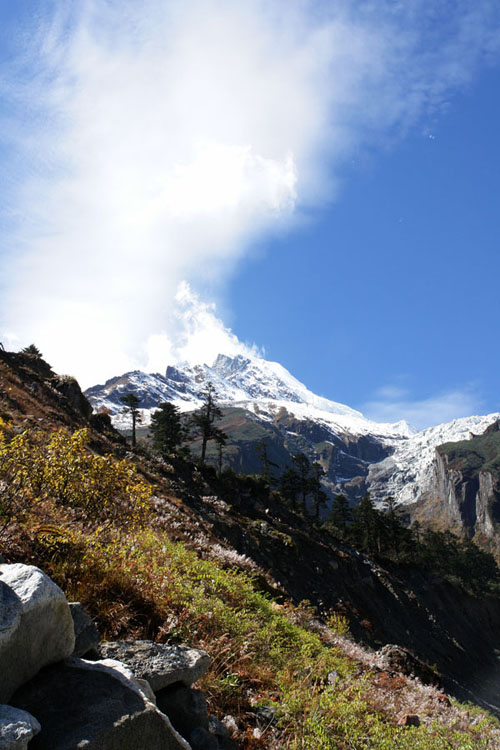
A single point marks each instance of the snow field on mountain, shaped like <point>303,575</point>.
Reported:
<point>408,472</point>
<point>266,389</point>
<point>242,382</point>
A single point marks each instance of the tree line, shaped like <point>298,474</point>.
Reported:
<point>382,532</point>
<point>385,534</point>
<point>169,431</point>
<point>300,484</point>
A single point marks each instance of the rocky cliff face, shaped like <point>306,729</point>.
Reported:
<point>467,500</point>
<point>464,494</point>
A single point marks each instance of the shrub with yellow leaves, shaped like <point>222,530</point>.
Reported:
<point>62,469</point>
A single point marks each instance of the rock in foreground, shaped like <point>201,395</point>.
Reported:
<point>87,636</point>
<point>17,728</point>
<point>96,705</point>
<point>36,627</point>
<point>159,664</point>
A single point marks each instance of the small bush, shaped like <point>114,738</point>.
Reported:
<point>63,470</point>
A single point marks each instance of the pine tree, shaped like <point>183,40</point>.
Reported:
<point>340,515</point>
<point>261,450</point>
<point>131,402</point>
<point>302,466</point>
<point>367,526</point>
<point>298,482</point>
<point>166,428</point>
<point>33,351</point>
<point>289,486</point>
<point>203,421</point>
<point>415,542</point>
<point>395,529</point>
<point>320,497</point>
<point>221,440</point>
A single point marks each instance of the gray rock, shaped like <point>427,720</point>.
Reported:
<point>201,739</point>
<point>221,733</point>
<point>217,727</point>
<point>36,627</point>
<point>95,705</point>
<point>16,728</point>
<point>159,664</point>
<point>86,634</point>
<point>411,720</point>
<point>186,708</point>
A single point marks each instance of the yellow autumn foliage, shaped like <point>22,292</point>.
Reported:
<point>61,468</point>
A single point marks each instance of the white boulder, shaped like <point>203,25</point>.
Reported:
<point>36,627</point>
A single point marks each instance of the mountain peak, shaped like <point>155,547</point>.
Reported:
<point>243,380</point>
<point>390,459</point>
<point>224,363</point>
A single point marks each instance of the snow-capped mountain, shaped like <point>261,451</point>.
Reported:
<point>408,472</point>
<point>357,454</point>
<point>251,383</point>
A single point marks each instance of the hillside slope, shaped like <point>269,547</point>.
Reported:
<point>247,526</point>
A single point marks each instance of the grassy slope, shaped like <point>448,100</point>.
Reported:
<point>481,453</point>
<point>142,584</point>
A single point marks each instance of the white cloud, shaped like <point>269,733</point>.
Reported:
<point>153,142</point>
<point>195,334</point>
<point>392,403</point>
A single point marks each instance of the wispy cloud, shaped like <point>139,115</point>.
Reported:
<point>152,143</point>
<point>392,403</point>
<point>196,334</point>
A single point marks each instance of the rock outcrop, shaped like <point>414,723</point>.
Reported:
<point>159,664</point>
<point>70,389</point>
<point>96,705</point>
<point>470,503</point>
<point>403,661</point>
<point>60,702</point>
<point>87,636</point>
<point>36,627</point>
<point>464,493</point>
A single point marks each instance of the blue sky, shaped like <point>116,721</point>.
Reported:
<point>326,173</point>
<point>393,291</point>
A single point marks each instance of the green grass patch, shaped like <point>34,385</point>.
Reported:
<point>148,586</point>
<point>481,453</point>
